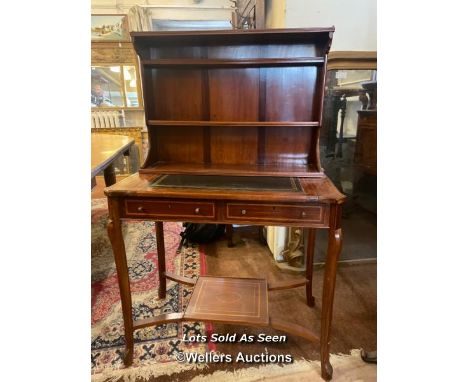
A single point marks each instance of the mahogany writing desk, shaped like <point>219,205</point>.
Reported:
<point>233,124</point>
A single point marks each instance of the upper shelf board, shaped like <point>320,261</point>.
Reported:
<point>226,37</point>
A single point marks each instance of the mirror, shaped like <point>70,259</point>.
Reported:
<point>114,86</point>
<point>130,81</point>
<point>349,135</point>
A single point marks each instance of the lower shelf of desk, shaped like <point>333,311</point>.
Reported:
<point>226,299</point>
<point>229,300</point>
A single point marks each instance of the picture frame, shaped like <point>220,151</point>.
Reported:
<point>109,28</point>
<point>353,77</point>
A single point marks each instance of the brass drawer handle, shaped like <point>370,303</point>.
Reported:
<point>243,212</point>
<point>197,210</point>
<point>303,214</point>
<point>140,209</point>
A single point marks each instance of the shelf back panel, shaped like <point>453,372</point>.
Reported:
<point>231,145</point>
<point>233,94</point>
<point>288,146</point>
<point>233,52</point>
<point>176,95</point>
<point>288,94</point>
<point>178,145</point>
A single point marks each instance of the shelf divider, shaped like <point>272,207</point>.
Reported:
<point>297,170</point>
<point>248,62</point>
<point>154,122</point>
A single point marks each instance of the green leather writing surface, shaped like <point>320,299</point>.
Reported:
<point>250,183</point>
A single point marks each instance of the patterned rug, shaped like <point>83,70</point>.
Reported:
<point>155,347</point>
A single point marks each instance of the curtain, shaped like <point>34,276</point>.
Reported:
<point>139,19</point>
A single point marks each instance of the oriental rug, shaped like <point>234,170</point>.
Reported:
<point>155,347</point>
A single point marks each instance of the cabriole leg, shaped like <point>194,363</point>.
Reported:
<point>114,230</point>
<point>333,252</point>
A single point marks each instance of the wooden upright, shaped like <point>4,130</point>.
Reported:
<point>233,123</point>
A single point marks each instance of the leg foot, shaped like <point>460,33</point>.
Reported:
<point>327,371</point>
<point>128,357</point>
<point>369,356</point>
<point>310,300</point>
<point>331,264</point>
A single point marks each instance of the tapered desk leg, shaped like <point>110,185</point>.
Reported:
<point>229,233</point>
<point>161,259</point>
<point>109,175</point>
<point>114,230</point>
<point>310,265</point>
<point>333,252</point>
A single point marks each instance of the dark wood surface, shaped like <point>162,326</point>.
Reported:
<point>365,155</point>
<point>161,259</point>
<point>263,111</point>
<point>314,190</point>
<point>310,265</point>
<point>105,149</point>
<point>229,300</point>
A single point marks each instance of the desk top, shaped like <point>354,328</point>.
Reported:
<point>105,148</point>
<point>313,190</point>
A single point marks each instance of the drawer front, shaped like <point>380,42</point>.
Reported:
<point>170,208</point>
<point>273,213</point>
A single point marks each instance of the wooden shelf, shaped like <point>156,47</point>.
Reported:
<point>305,171</point>
<point>229,123</point>
<point>250,62</point>
<point>247,36</point>
<point>229,300</point>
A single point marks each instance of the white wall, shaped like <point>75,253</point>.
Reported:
<point>355,21</point>
<point>274,13</point>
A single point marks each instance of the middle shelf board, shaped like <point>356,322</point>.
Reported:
<point>224,63</point>
<point>231,123</point>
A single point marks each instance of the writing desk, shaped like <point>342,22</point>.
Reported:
<point>233,123</point>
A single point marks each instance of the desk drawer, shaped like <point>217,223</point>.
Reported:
<point>271,212</point>
<point>160,208</point>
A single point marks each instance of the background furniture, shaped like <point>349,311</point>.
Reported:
<point>366,138</point>
<point>365,155</point>
<point>104,151</point>
<point>248,14</point>
<point>233,123</point>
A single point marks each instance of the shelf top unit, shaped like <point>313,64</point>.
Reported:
<point>234,102</point>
